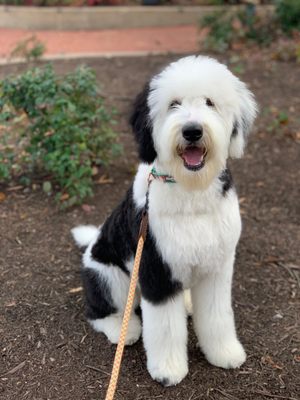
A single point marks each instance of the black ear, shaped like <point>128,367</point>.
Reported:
<point>142,127</point>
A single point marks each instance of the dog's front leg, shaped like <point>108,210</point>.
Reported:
<point>214,320</point>
<point>165,339</point>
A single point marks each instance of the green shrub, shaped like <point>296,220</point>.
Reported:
<point>288,14</point>
<point>56,126</point>
<point>220,30</point>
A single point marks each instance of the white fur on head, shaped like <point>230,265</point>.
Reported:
<point>192,80</point>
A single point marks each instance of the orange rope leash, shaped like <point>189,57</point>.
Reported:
<point>128,309</point>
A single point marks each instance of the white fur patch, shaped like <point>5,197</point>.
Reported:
<point>188,302</point>
<point>194,230</point>
<point>84,234</point>
<point>111,327</point>
<point>165,340</point>
<point>191,81</point>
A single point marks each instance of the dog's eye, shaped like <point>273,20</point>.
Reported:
<point>175,103</point>
<point>209,103</point>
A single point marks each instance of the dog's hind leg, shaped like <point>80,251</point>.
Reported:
<point>106,288</point>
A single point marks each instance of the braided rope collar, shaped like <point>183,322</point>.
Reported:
<point>161,177</point>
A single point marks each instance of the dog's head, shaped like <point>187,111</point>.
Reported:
<point>191,117</point>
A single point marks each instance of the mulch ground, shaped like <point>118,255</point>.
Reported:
<point>48,351</point>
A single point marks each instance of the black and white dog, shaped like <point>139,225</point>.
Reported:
<point>188,121</point>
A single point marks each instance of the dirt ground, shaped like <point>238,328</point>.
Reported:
<point>48,351</point>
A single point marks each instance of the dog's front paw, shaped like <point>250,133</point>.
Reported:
<point>230,354</point>
<point>169,372</point>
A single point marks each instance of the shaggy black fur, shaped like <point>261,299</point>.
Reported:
<point>155,276</point>
<point>235,129</point>
<point>227,181</point>
<point>246,125</point>
<point>142,127</point>
<point>243,126</point>
<point>117,244</point>
<point>118,239</point>
<point>99,303</point>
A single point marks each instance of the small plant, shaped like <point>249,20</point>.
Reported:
<point>288,14</point>
<point>31,49</point>
<point>56,126</point>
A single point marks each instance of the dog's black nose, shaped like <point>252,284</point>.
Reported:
<point>192,132</point>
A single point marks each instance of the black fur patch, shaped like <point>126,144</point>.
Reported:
<point>235,129</point>
<point>117,242</point>
<point>244,124</point>
<point>142,127</point>
<point>227,181</point>
<point>99,303</point>
<point>155,276</point>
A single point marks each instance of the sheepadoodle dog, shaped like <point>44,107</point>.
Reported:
<point>188,121</point>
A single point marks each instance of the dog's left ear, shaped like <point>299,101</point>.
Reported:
<point>243,121</point>
<point>142,127</point>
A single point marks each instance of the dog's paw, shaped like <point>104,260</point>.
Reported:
<point>227,355</point>
<point>134,330</point>
<point>111,327</point>
<point>168,373</point>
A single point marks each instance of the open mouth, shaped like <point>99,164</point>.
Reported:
<point>193,157</point>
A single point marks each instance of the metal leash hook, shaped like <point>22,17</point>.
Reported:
<point>129,304</point>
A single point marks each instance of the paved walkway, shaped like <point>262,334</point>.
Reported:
<point>181,39</point>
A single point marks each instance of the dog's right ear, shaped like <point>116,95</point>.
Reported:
<point>142,127</point>
<point>243,121</point>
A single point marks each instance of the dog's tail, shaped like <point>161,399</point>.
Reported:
<point>84,234</point>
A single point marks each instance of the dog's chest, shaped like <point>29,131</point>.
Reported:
<point>194,239</point>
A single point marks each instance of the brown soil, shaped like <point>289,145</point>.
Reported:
<point>47,349</point>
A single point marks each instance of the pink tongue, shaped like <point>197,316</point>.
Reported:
<point>192,155</point>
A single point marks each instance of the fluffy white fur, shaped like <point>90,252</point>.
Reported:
<point>196,232</point>
<point>196,227</point>
<point>165,340</point>
<point>84,234</point>
<point>192,80</point>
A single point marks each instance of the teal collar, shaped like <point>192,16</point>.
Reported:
<point>161,177</point>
